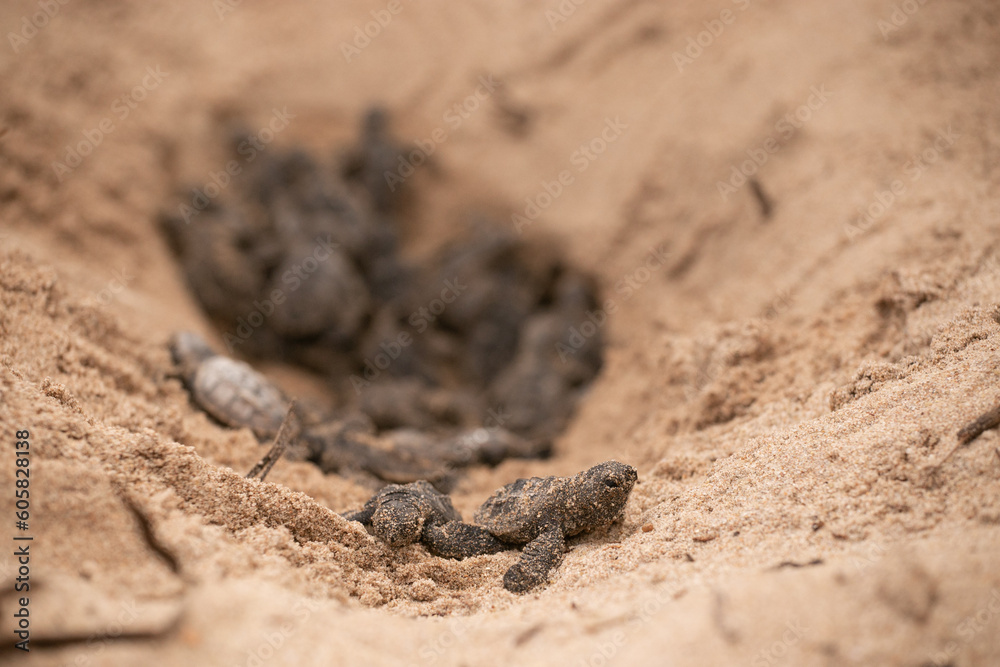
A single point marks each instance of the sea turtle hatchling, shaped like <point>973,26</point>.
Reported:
<point>400,514</point>
<point>541,512</point>
<point>538,513</point>
<point>236,395</point>
<point>229,390</point>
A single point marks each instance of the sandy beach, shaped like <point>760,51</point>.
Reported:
<point>791,211</point>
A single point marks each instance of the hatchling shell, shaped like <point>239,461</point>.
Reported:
<point>520,511</point>
<point>237,395</point>
<point>508,512</point>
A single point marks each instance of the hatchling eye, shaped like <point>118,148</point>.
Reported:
<point>612,483</point>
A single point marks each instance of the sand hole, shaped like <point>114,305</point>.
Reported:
<point>300,259</point>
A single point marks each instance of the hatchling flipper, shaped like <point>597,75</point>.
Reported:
<point>363,515</point>
<point>461,540</point>
<point>539,557</point>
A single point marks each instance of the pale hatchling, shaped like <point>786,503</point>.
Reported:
<point>227,389</point>
<point>236,395</point>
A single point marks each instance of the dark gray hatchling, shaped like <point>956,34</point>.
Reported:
<point>541,512</point>
<point>401,514</point>
<point>229,390</point>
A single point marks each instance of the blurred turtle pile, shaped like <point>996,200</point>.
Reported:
<point>301,261</point>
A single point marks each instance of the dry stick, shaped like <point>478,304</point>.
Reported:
<point>766,205</point>
<point>289,431</point>
<point>974,429</point>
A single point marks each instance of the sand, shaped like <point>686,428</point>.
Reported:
<point>788,368</point>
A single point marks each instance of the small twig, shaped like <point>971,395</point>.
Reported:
<point>766,205</point>
<point>289,431</point>
<point>944,459</point>
<point>975,428</point>
<point>791,563</point>
<point>972,430</point>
